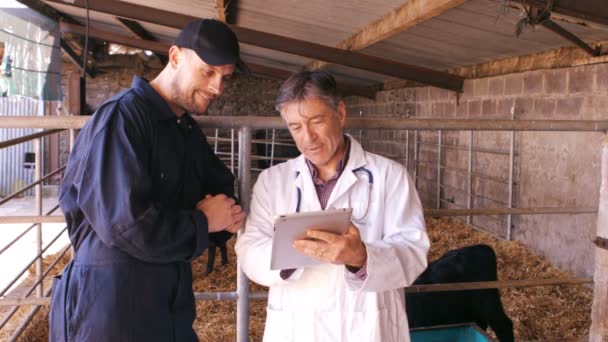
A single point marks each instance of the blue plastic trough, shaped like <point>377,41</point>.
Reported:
<point>450,333</point>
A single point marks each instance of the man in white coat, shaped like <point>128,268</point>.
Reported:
<point>356,294</point>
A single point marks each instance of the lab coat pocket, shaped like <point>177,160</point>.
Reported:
<point>279,326</point>
<point>374,325</point>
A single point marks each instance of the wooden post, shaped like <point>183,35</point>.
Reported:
<point>599,311</point>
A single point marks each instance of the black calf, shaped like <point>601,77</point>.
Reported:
<point>217,240</point>
<point>483,307</point>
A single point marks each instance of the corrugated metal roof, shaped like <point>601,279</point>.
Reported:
<point>474,32</point>
<point>320,21</point>
<point>196,8</point>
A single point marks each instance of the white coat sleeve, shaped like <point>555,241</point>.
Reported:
<point>397,259</point>
<point>254,245</point>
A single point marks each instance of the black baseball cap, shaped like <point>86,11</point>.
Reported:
<point>213,41</point>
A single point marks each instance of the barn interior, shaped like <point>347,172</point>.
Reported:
<point>497,108</point>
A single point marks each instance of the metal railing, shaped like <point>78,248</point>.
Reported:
<point>38,285</point>
<point>245,127</point>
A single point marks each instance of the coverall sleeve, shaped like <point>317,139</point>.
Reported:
<point>400,256</point>
<point>115,191</point>
<point>254,245</point>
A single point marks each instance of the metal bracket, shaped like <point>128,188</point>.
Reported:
<point>601,242</point>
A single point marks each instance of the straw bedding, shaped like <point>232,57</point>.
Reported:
<point>556,313</point>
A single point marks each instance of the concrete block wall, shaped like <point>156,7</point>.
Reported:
<point>551,169</point>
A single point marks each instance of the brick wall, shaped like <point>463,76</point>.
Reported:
<point>551,169</point>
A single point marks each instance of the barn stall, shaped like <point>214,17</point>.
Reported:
<point>501,130</point>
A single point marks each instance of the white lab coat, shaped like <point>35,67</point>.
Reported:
<point>326,302</point>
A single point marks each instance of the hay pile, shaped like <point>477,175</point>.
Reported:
<point>554,313</point>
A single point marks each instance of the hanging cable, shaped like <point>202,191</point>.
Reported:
<point>86,42</point>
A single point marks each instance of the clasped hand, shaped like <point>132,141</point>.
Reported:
<point>222,213</point>
<point>342,249</point>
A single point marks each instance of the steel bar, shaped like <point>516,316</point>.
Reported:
<point>262,122</point>
<point>272,148</point>
<point>416,159</point>
<point>282,142</point>
<point>469,175</point>
<point>407,150</point>
<point>31,219</point>
<point>439,136</point>
<point>197,295</point>
<point>2,293</point>
<point>503,284</point>
<point>25,138</point>
<point>507,211</point>
<point>3,249</point>
<point>38,209</point>
<point>510,191</point>
<point>21,328</point>
<point>466,148</point>
<point>215,141</point>
<point>465,171</point>
<point>232,151</point>
<point>29,186</point>
<point>242,283</point>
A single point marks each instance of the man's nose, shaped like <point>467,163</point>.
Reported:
<point>216,85</point>
<point>309,134</point>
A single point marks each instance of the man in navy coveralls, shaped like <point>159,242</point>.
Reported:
<point>140,195</point>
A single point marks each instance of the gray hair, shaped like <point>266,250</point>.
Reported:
<point>308,84</point>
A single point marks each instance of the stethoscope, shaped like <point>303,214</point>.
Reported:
<point>370,180</point>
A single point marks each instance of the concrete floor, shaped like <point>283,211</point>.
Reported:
<point>16,258</point>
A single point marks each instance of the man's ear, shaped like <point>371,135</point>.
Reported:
<point>342,113</point>
<point>175,56</point>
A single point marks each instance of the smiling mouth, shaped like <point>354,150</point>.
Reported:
<point>206,96</point>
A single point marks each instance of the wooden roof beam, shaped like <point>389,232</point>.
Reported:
<point>220,7</point>
<point>73,57</point>
<point>279,43</point>
<point>140,32</point>
<point>410,14</point>
<point>160,48</point>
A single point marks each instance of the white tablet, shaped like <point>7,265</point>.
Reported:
<point>289,227</point>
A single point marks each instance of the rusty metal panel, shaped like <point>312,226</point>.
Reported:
<point>13,175</point>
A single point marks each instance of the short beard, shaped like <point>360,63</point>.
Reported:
<point>182,102</point>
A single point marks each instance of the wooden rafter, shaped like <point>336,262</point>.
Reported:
<point>73,57</point>
<point>220,7</point>
<point>284,44</point>
<point>140,32</point>
<point>412,13</point>
<point>162,49</point>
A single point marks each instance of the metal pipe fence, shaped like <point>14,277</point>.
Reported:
<point>246,127</point>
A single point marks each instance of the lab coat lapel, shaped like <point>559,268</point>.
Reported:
<point>348,178</point>
<point>309,200</point>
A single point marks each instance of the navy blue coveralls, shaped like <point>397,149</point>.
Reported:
<point>128,195</point>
